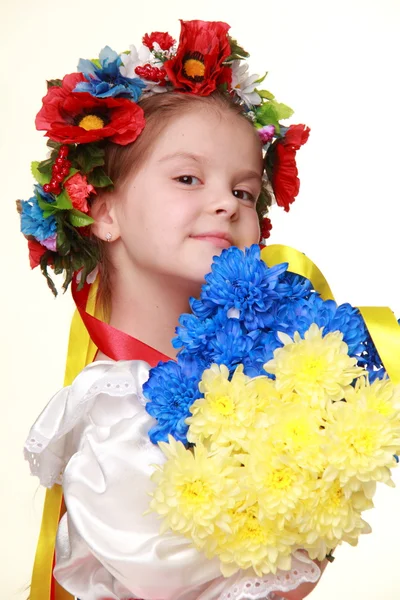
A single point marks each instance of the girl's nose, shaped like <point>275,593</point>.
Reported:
<point>226,204</point>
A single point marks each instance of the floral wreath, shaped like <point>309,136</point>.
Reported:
<point>101,102</point>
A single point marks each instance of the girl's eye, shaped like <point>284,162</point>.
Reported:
<point>243,195</point>
<point>188,179</point>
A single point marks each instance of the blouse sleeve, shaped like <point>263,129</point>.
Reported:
<point>106,546</point>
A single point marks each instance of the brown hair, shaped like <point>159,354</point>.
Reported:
<point>122,161</point>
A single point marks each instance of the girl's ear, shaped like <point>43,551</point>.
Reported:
<point>105,224</point>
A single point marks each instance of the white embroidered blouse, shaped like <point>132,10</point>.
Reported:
<point>93,439</point>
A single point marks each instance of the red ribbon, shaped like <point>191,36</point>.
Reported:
<point>112,342</point>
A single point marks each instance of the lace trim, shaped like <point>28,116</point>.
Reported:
<point>42,462</point>
<point>268,587</point>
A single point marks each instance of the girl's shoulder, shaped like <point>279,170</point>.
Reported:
<point>101,395</point>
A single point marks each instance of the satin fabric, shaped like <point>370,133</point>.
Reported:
<point>93,436</point>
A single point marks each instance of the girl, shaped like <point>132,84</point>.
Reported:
<point>187,169</point>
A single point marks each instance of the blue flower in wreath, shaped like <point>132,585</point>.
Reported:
<point>242,281</point>
<point>171,389</point>
<point>33,221</point>
<point>103,77</point>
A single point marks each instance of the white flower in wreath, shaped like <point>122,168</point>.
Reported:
<point>138,58</point>
<point>244,84</point>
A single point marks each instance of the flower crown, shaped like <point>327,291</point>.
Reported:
<point>101,103</point>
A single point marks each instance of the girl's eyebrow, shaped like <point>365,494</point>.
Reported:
<point>189,155</point>
<point>199,158</point>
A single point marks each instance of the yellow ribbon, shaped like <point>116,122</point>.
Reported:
<point>380,321</point>
<point>81,352</point>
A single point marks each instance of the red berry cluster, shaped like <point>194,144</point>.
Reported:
<point>151,73</point>
<point>59,171</point>
<point>266,227</point>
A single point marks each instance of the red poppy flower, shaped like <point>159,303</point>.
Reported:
<point>164,40</point>
<point>198,67</point>
<point>296,136</point>
<point>79,118</point>
<point>36,252</point>
<point>285,181</point>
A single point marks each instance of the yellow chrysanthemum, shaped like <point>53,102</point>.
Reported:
<point>317,366</point>
<point>227,410</point>
<point>296,431</point>
<point>254,543</point>
<point>266,393</point>
<point>381,396</point>
<point>194,489</point>
<point>329,517</point>
<point>276,482</point>
<point>361,446</point>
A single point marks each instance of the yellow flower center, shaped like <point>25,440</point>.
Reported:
<point>382,407</point>
<point>313,367</point>
<point>90,122</point>
<point>195,492</point>
<point>194,68</point>
<point>364,442</point>
<point>335,497</point>
<point>297,432</point>
<point>251,530</point>
<point>223,405</point>
<point>280,479</point>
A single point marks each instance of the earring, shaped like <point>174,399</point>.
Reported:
<point>108,237</point>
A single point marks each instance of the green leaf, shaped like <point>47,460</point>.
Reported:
<point>44,263</point>
<point>40,177</point>
<point>237,52</point>
<point>223,87</point>
<point>79,219</point>
<point>98,178</point>
<point>45,167</point>
<point>54,145</point>
<point>261,79</point>
<point>48,213</point>
<point>63,243</point>
<point>53,83</point>
<point>48,208</point>
<point>63,201</point>
<point>265,94</point>
<point>266,114</point>
<point>89,156</point>
<point>282,110</point>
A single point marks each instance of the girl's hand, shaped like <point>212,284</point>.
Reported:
<point>305,588</point>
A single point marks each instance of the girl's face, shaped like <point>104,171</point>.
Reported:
<point>194,195</point>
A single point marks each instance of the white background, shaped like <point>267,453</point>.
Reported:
<point>336,63</point>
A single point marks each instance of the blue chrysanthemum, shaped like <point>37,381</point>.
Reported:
<point>292,286</point>
<point>298,315</point>
<point>370,358</point>
<point>171,389</point>
<point>32,220</point>
<point>262,352</point>
<point>231,344</point>
<point>240,280</point>
<point>194,334</point>
<point>106,80</point>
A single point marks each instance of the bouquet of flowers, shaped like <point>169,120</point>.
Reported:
<point>276,420</point>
